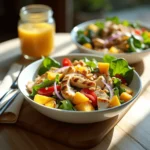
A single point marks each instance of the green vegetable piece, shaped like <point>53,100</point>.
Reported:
<point>135,45</point>
<point>120,66</point>
<point>82,39</point>
<point>114,19</point>
<point>125,23</point>
<point>80,32</point>
<point>92,64</point>
<point>116,91</point>
<point>135,25</point>
<point>90,34</point>
<point>121,101</point>
<point>46,64</point>
<point>108,58</point>
<point>45,83</point>
<point>146,37</point>
<point>116,82</point>
<point>99,24</point>
<point>66,105</point>
<point>57,79</point>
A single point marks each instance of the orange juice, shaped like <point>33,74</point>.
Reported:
<point>37,39</point>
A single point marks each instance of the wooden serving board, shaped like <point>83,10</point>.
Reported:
<point>75,135</point>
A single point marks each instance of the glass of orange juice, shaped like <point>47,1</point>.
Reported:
<point>36,30</point>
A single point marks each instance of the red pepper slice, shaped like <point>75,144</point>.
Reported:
<point>91,95</point>
<point>138,32</point>
<point>121,78</point>
<point>66,62</point>
<point>47,91</point>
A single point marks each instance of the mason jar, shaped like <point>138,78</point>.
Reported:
<point>36,30</point>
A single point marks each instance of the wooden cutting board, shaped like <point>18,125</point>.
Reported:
<point>74,135</point>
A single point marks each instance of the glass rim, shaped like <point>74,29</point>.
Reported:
<point>34,9</point>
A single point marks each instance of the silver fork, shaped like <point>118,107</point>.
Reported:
<point>13,87</point>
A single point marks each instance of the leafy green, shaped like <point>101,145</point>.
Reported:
<point>66,105</point>
<point>57,78</point>
<point>99,24</point>
<point>114,19</point>
<point>80,32</point>
<point>146,37</point>
<point>135,45</point>
<point>45,83</point>
<point>46,64</point>
<point>90,34</point>
<point>116,82</point>
<point>82,39</point>
<point>135,25</point>
<point>125,23</point>
<point>92,64</point>
<point>120,66</point>
<point>108,58</point>
<point>116,91</point>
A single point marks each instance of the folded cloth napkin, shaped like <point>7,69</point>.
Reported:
<point>12,112</point>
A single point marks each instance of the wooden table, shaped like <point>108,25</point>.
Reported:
<point>131,133</point>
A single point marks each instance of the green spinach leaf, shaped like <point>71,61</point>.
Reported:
<point>108,58</point>
<point>120,66</point>
<point>46,64</point>
<point>66,105</point>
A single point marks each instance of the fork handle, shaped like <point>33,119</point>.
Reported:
<point>3,108</point>
<point>9,91</point>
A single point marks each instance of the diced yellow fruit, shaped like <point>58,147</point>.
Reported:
<point>52,75</point>
<point>42,99</point>
<point>87,45</point>
<point>86,106</point>
<point>103,67</point>
<point>81,70</point>
<point>114,101</point>
<point>127,89</point>
<point>93,27</point>
<point>125,96</point>
<point>51,104</point>
<point>114,50</point>
<point>79,98</point>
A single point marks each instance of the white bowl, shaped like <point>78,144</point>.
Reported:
<point>28,74</point>
<point>132,58</point>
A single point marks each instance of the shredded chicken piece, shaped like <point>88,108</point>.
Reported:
<point>29,86</point>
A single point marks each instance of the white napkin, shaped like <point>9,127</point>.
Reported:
<point>12,112</point>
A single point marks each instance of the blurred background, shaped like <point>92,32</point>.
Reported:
<point>68,13</point>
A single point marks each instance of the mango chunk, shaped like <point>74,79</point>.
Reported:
<point>125,96</point>
<point>93,27</point>
<point>79,98</point>
<point>114,101</point>
<point>85,106</point>
<point>87,45</point>
<point>52,75</point>
<point>51,104</point>
<point>103,67</point>
<point>127,89</point>
<point>42,99</point>
<point>114,50</point>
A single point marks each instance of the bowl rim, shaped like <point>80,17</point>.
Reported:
<point>71,111</point>
<point>77,27</point>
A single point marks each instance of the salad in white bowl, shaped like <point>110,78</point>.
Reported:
<point>80,88</point>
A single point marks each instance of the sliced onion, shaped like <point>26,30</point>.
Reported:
<point>109,88</point>
<point>113,37</point>
<point>62,69</point>
<point>56,92</point>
